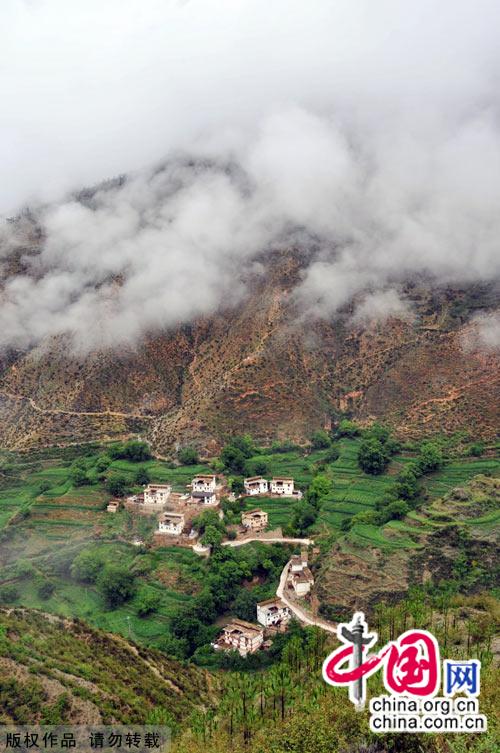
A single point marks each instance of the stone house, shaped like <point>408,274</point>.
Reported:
<point>254,520</point>
<point>241,636</point>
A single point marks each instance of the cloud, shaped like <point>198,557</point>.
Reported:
<point>381,305</point>
<point>483,333</point>
<point>372,128</point>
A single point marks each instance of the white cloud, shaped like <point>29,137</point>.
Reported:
<point>371,127</point>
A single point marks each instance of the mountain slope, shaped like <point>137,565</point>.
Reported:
<point>259,368</point>
<point>50,666</point>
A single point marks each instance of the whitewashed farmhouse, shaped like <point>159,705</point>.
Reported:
<point>283,486</point>
<point>273,612</point>
<point>171,523</point>
<point>256,485</point>
<point>156,495</point>
<point>203,489</point>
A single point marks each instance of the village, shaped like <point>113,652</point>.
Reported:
<point>175,513</point>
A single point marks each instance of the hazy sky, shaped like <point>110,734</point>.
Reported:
<point>374,126</point>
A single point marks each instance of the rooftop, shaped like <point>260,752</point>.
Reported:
<point>254,479</point>
<point>242,627</point>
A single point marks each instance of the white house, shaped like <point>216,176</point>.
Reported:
<point>203,489</point>
<point>242,636</point>
<point>157,495</point>
<point>296,565</point>
<point>273,612</point>
<point>256,485</point>
<point>254,520</point>
<point>302,582</point>
<point>171,523</point>
<point>283,486</point>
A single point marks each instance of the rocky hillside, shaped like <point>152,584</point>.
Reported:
<point>54,671</point>
<point>258,368</point>
<point>454,538</point>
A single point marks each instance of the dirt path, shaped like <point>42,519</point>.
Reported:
<point>270,540</point>
<point>300,613</point>
<point>61,411</point>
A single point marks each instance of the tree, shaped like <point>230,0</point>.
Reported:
<point>46,589</point>
<point>86,566</point>
<point>233,459</point>
<point>147,603</point>
<point>304,515</point>
<point>137,452</point>
<point>78,476</point>
<point>237,485</point>
<point>205,519</point>
<point>320,440</point>
<point>430,457</point>
<point>319,488</point>
<point>116,584</point>
<point>117,486</point>
<point>244,605</point>
<point>102,463</point>
<point>187,456</point>
<point>395,510</point>
<point>378,431</point>
<point>406,486</point>
<point>142,476</point>
<point>372,457</point>
<point>212,536</point>
<point>8,594</point>
<point>347,428</point>
<point>333,454</point>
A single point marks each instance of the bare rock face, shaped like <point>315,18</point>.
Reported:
<point>259,368</point>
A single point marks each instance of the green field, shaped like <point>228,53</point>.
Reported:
<point>46,520</point>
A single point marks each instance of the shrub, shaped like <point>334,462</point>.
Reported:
<point>116,584</point>
<point>347,428</point>
<point>187,456</point>
<point>142,476</point>
<point>147,603</point>
<point>46,589</point>
<point>430,457</point>
<point>117,486</point>
<point>8,594</point>
<point>86,566</point>
<point>372,456</point>
<point>333,454</point>
<point>320,440</point>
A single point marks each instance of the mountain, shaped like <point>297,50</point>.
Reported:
<point>258,367</point>
<point>57,670</point>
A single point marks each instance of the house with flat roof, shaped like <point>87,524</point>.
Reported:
<point>157,495</point>
<point>256,485</point>
<point>273,612</point>
<point>203,489</point>
<point>302,582</point>
<point>171,523</point>
<point>113,505</point>
<point>241,636</point>
<point>254,520</point>
<point>283,486</point>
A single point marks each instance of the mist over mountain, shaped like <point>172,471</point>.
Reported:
<point>233,200</point>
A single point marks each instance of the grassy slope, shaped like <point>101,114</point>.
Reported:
<point>104,677</point>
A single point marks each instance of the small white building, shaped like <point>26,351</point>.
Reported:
<point>273,612</point>
<point>254,520</point>
<point>171,523</point>
<point>302,582</point>
<point>157,495</point>
<point>203,489</point>
<point>242,636</point>
<point>256,485</point>
<point>283,486</point>
<point>113,505</point>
